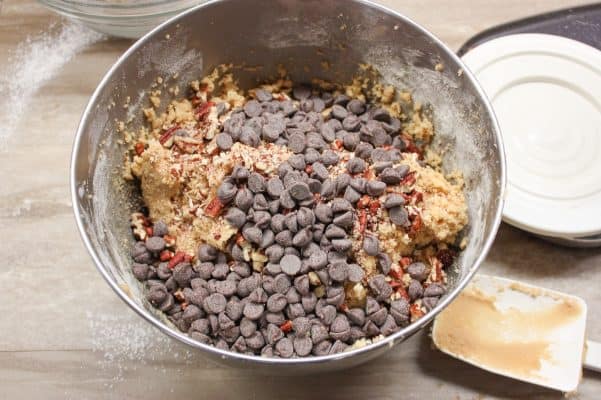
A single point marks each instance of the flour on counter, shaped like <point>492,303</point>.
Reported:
<point>126,343</point>
<point>32,64</point>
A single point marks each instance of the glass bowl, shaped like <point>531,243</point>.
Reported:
<point>123,18</point>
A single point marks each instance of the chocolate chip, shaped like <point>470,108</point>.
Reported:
<point>253,311</point>
<point>183,273</point>
<point>328,189</point>
<point>252,108</point>
<point>258,296</point>
<point>326,314</point>
<point>300,191</point>
<point>415,290</point>
<point>249,137</point>
<point>292,222</point>
<point>398,216</point>
<point>284,348</point>
<point>290,264</point>
<point>302,238</point>
<point>359,184</point>
<point>284,238</point>
<point>256,183</point>
<point>389,327</point>
<point>235,217</point>
<point>394,200</point>
<point>340,328</point>
<point>207,252</point>
<point>275,187</point>
<point>224,141</point>
<point>379,317</point>
<point>371,329</point>
<point>351,195</point>
<point>342,181</point>
<point>252,234</point>
<point>355,273</point>
<point>295,310</point>
<point>328,133</point>
<point>335,295</point>
<point>323,212</point>
<point>296,143</point>
<point>356,316</point>
<point>311,156</point>
<point>434,290</point>
<point>329,158</point>
<point>356,106</point>
<point>140,271</point>
<point>281,283</point>
<point>344,220</point>
<point>379,114</point>
<point>350,140</point>
<point>338,271</point>
<point>274,253</point>
<point>418,271</point>
<point>399,310</point>
<point>214,303</point>
<point>297,161</point>
<point>276,302</point>
<point>318,260</point>
<point>220,271</point>
<point>363,150</point>
<point>371,245</point>
<point>338,112</point>
<point>155,244</point>
<point>380,287</point>
<point>226,192</point>
<point>390,176</point>
<point>322,348</point>
<point>384,262</point>
<point>351,123</point>
<point>244,199</point>
<point>430,302</point>
<point>286,200</point>
<point>375,188</point>
<point>305,217</point>
<point>356,165</point>
<point>334,232</point>
<point>342,245</point>
<point>319,333</point>
<point>275,318</point>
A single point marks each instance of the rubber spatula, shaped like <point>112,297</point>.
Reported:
<point>519,331</point>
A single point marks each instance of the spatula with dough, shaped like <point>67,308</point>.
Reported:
<point>519,331</point>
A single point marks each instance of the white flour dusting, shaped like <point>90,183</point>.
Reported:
<point>126,343</point>
<point>33,63</point>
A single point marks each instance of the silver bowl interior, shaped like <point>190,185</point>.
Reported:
<point>300,35</point>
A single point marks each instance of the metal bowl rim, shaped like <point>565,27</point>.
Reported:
<point>386,341</point>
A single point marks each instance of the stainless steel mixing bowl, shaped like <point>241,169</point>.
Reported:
<point>300,34</point>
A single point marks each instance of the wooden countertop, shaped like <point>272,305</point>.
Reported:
<point>64,334</point>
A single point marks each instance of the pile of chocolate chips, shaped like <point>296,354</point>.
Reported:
<point>302,219</point>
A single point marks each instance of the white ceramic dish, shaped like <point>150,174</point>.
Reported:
<point>546,93</point>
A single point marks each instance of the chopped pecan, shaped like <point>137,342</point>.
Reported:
<point>176,259</point>
<point>214,208</point>
<point>286,326</point>
<point>168,134</point>
<point>139,148</point>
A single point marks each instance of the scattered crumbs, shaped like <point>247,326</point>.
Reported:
<point>167,36</point>
<point>159,80</point>
<point>460,72</point>
<point>439,67</point>
<point>396,27</point>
